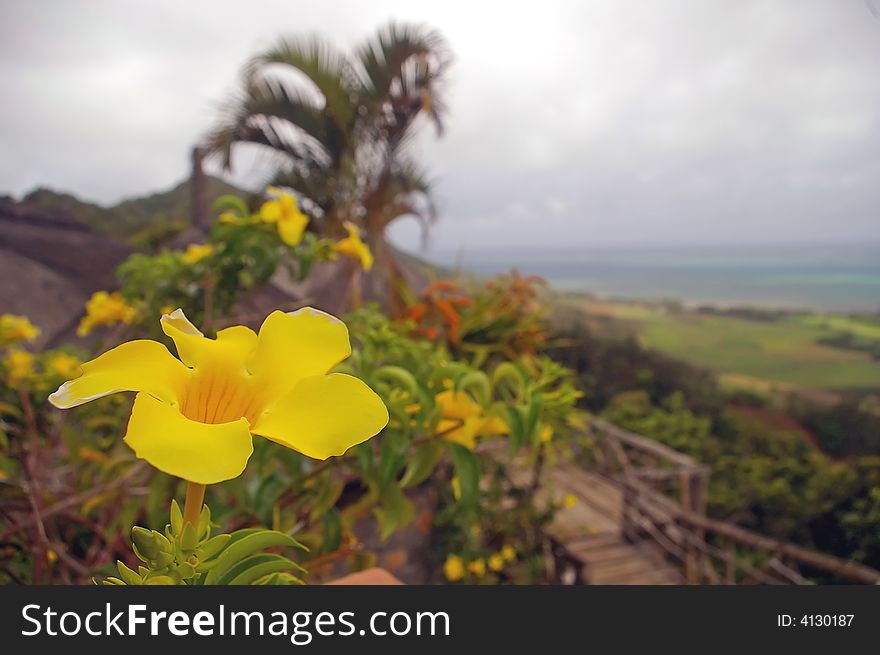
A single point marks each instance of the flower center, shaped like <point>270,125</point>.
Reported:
<point>217,397</point>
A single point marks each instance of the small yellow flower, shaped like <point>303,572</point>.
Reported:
<point>496,562</point>
<point>62,364</point>
<point>19,366</point>
<point>453,568</point>
<point>194,417</point>
<point>14,328</point>
<point>508,553</point>
<point>477,567</point>
<point>105,309</point>
<point>51,556</point>
<point>570,500</point>
<point>284,211</point>
<point>196,252</point>
<point>546,433</point>
<point>459,409</point>
<point>229,218</point>
<point>456,488</point>
<point>352,246</point>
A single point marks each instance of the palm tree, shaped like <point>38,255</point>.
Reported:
<point>340,126</point>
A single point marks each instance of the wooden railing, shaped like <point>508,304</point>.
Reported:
<point>664,500</point>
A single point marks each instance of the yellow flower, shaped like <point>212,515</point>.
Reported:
<point>570,500</point>
<point>284,212</point>
<point>453,568</point>
<point>352,246</point>
<point>105,309</point>
<point>508,553</point>
<point>62,364</point>
<point>459,409</point>
<point>196,252</point>
<point>546,433</point>
<point>496,562</point>
<point>14,328</point>
<point>19,366</point>
<point>194,417</point>
<point>230,219</point>
<point>477,567</point>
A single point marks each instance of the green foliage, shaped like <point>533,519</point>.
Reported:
<point>187,554</point>
<point>135,217</point>
<point>243,257</point>
<point>671,423</point>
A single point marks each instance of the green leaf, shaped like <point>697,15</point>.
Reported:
<point>276,579</point>
<point>401,377</point>
<point>396,511</point>
<point>477,383</point>
<point>332,530</point>
<point>176,517</point>
<point>516,426</point>
<point>128,576</point>
<point>246,546</point>
<point>389,463</point>
<point>467,469</point>
<point>422,464</point>
<point>511,374</point>
<point>532,416</point>
<point>212,546</point>
<point>255,567</point>
<point>188,538</point>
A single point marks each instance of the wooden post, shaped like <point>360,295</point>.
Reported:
<point>627,525</point>
<point>691,564</point>
<point>729,562</point>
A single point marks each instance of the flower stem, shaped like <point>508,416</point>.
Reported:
<point>195,498</point>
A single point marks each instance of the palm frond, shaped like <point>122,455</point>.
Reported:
<point>325,67</point>
<point>403,65</point>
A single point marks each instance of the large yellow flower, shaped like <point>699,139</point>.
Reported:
<point>459,409</point>
<point>352,246</point>
<point>284,211</point>
<point>194,417</point>
<point>105,309</point>
<point>14,328</point>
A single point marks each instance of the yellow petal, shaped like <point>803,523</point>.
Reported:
<point>492,425</point>
<point>134,366</point>
<point>297,345</point>
<point>187,338</point>
<point>353,246</point>
<point>465,434</point>
<point>270,211</point>
<point>198,452</point>
<point>231,349</point>
<point>291,229</point>
<point>324,416</point>
<point>457,404</point>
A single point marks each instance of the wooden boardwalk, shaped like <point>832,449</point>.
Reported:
<point>590,532</point>
<point>636,514</point>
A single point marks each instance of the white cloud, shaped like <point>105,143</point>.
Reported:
<point>617,121</point>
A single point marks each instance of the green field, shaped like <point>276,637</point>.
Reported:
<point>784,350</point>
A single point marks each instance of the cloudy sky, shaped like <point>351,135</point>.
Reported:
<point>576,123</point>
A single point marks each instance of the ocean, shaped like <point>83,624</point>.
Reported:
<point>829,278</point>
